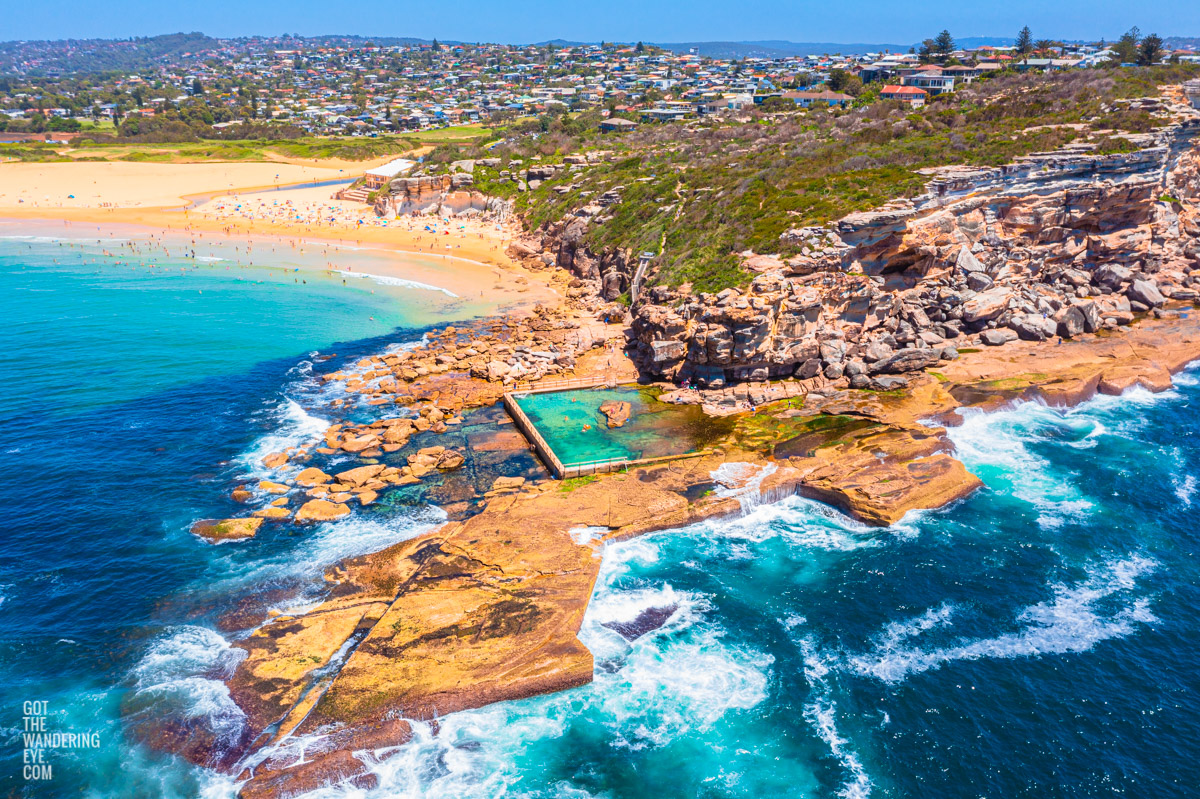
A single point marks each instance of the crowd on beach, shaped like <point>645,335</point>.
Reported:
<point>231,248</point>
<point>426,232</point>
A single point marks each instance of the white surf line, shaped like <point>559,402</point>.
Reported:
<point>390,280</point>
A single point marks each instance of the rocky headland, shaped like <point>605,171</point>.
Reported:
<point>1054,278</point>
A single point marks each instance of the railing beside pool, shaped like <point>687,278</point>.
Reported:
<point>601,466</point>
<point>542,386</point>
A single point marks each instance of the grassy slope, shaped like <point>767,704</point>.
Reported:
<point>316,148</point>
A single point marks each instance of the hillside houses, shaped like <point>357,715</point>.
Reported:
<point>354,87</point>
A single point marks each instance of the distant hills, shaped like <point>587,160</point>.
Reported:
<point>782,49</point>
<point>776,49</point>
<point>100,55</point>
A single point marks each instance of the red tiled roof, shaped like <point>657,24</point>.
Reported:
<point>913,90</point>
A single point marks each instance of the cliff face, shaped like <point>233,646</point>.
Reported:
<point>1055,244</point>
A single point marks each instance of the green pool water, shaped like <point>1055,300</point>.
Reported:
<point>654,429</point>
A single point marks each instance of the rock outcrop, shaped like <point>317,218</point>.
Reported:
<point>616,412</point>
<point>219,530</point>
<point>441,195</point>
<point>1056,244</point>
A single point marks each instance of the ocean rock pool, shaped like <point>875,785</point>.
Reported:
<point>573,425</point>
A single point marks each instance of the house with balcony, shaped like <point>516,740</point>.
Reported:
<point>933,81</point>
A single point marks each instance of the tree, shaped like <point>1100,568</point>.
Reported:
<point>842,81</point>
<point>1043,46</point>
<point>1150,51</point>
<point>1126,47</point>
<point>641,48</point>
<point>776,104</point>
<point>944,43</point>
<point>1024,41</point>
<point>197,87</point>
<point>437,47</point>
<point>926,51</point>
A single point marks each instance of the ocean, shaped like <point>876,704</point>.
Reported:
<point>1036,639</point>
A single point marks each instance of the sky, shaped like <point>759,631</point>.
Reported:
<point>523,21</point>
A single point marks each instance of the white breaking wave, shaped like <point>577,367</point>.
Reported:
<point>821,714</point>
<point>1071,621</point>
<point>388,280</point>
<point>586,535</point>
<point>802,522</point>
<point>297,427</point>
<point>180,677</point>
<point>1184,489</point>
<point>993,446</point>
<point>405,346</point>
<point>897,632</point>
<point>345,538</point>
<point>1187,377</point>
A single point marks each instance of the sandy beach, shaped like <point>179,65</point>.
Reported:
<point>236,201</point>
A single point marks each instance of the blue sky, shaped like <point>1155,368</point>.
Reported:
<point>593,20</point>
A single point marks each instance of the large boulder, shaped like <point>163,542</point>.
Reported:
<point>1112,275</point>
<point>275,460</point>
<point>994,338</point>
<point>496,370</point>
<point>1092,318</point>
<point>1145,292</point>
<point>986,305</point>
<point>968,263</point>
<point>876,351</point>
<point>808,369</point>
<point>312,476</point>
<point>360,475</point>
<point>320,510</point>
<point>910,360</point>
<point>978,281</point>
<point>1034,327</point>
<point>217,530</point>
<point>616,412</point>
<point>450,460</point>
<point>1071,322</point>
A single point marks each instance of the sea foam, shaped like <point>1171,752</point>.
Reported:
<point>1074,619</point>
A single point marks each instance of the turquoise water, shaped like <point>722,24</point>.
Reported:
<point>1037,639</point>
<point>573,426</point>
<point>137,387</point>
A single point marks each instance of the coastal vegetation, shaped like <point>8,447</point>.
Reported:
<point>698,193</point>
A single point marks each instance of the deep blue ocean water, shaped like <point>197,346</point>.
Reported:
<point>1038,639</point>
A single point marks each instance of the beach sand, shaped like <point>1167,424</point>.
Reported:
<point>237,201</point>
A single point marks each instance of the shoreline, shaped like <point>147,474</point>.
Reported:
<point>238,200</point>
<point>509,286</point>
